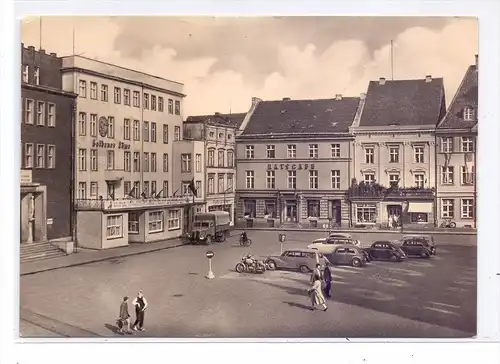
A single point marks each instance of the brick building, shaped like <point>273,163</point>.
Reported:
<point>47,114</point>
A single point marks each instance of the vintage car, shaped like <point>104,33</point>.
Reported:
<point>304,260</point>
<point>328,245</point>
<point>416,247</point>
<point>429,239</point>
<point>340,235</point>
<point>347,255</point>
<point>385,250</point>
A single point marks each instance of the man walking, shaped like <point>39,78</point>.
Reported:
<point>140,304</point>
<point>327,277</point>
<point>316,273</point>
<point>124,318</point>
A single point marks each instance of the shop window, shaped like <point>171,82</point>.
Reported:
<point>312,208</point>
<point>250,208</point>
<point>155,224</point>
<point>270,209</point>
<point>174,220</point>
<point>419,217</point>
<point>114,226</point>
<point>133,223</point>
<point>366,214</point>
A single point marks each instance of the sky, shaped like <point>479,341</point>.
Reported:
<point>224,62</point>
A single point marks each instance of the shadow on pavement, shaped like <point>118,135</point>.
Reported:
<point>298,305</point>
<point>112,328</point>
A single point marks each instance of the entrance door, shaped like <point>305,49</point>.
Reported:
<point>291,211</point>
<point>336,213</point>
<point>394,214</point>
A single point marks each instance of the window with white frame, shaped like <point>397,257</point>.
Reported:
<point>26,69</point>
<point>82,123</point>
<point>313,150</point>
<point>145,165</point>
<point>165,189</point>
<point>447,175</point>
<point>198,162</point>
<point>161,105</point>
<point>110,160</point>
<point>133,223</point>
<point>291,151</point>
<point>126,129</point>
<point>211,157</point>
<point>220,179</point>
<point>249,179</point>
<point>40,156</point>
<point>186,162</point>
<point>446,144</point>
<point>114,226</point>
<point>369,155</point>
<point>220,158</point>
<point>366,214</point>
<point>419,154</point>
<point>250,151</point>
<point>145,101</point>
<point>447,208</point>
<point>104,93</point>
<point>177,107</point>
<point>211,183</point>
<point>145,188</point>
<point>469,113</point>
<point>137,189</point>
<point>29,111</point>
<point>145,133</point>
<point>335,148</point>
<point>137,162</point>
<point>467,144</point>
<point>393,179</point>
<point>335,177</point>
<point>229,183</point>
<point>394,154</point>
<point>137,130</point>
<point>153,162</point>
<point>271,151</point>
<point>126,97</point>
<point>170,106</point>
<point>197,185</point>
<point>127,162</point>
<point>313,208</point>
<point>468,173</point>
<point>369,177</point>
<point>177,133</point>
<point>313,180</point>
<point>153,102</point>
<point>28,155</point>
<point>270,180</point>
<point>37,75</point>
<point>135,99</point>
<point>94,189</point>
<point>82,190</point>
<point>174,219</point>
<point>292,180</point>
<point>51,115</point>
<point>93,160</point>
<point>467,207</point>
<point>419,180</point>
<point>51,156</point>
<point>111,127</point>
<point>153,132</point>
<point>93,125</point>
<point>230,158</point>
<point>40,113</point>
<point>165,162</point>
<point>155,224</point>
<point>82,88</point>
<point>93,90</point>
<point>165,134</point>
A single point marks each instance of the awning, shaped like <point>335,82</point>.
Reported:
<point>423,207</point>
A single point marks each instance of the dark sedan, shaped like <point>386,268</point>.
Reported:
<point>385,250</point>
<point>417,247</point>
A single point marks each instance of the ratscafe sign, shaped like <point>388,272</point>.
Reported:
<point>290,166</point>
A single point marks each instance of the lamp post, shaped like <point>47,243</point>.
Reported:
<point>224,202</point>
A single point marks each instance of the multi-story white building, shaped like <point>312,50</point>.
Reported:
<point>126,123</point>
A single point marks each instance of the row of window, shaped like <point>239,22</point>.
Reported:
<point>292,151</point>
<point>221,188</point>
<point>156,222</point>
<point>39,156</point>
<point>131,129</point>
<point>26,71</point>
<point>43,114</point>
<point>186,160</point>
<point>131,189</point>
<point>466,176</point>
<point>149,101</point>
<point>466,208</point>
<point>466,145</point>
<point>131,161</point>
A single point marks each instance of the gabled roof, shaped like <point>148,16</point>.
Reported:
<point>404,103</point>
<point>302,116</point>
<point>466,95</point>
<point>232,120</point>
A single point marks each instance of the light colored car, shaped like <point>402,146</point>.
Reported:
<point>347,255</point>
<point>304,260</point>
<point>328,245</point>
<point>340,235</point>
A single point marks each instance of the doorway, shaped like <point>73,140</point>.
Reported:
<point>291,211</point>
<point>336,212</point>
<point>394,216</point>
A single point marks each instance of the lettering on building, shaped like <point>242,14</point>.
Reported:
<point>291,167</point>
<point>102,144</point>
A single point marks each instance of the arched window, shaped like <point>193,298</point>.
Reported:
<point>220,158</point>
<point>211,157</point>
<point>230,158</point>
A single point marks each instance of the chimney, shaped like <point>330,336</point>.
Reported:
<point>381,81</point>
<point>217,113</point>
<point>255,101</point>
<point>286,99</point>
<point>31,48</point>
<point>476,61</point>
<point>53,54</point>
<point>338,96</point>
<point>362,96</point>
<point>428,78</point>
<point>42,51</point>
<point>22,45</point>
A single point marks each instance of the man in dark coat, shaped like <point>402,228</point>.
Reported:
<point>327,277</point>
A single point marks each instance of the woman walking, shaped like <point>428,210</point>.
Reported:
<point>316,293</point>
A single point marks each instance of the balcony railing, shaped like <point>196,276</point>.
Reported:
<point>132,203</point>
<point>377,191</point>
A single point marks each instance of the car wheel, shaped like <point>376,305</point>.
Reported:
<point>394,258</point>
<point>453,225</point>
<point>356,262</point>
<point>208,240</point>
<point>424,255</point>
<point>304,269</point>
<point>240,268</point>
<point>271,264</point>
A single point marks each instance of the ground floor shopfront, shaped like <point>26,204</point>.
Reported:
<point>217,203</point>
<point>457,208</point>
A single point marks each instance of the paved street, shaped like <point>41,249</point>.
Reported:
<point>416,298</point>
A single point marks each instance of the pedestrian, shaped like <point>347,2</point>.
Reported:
<point>124,318</point>
<point>140,304</point>
<point>327,277</point>
<point>317,297</point>
<point>316,273</point>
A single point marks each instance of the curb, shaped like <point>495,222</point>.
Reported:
<point>354,231</point>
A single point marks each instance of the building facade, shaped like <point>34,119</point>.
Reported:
<point>293,162</point>
<point>456,142</point>
<point>218,133</point>
<point>46,149</point>
<point>126,125</point>
<point>394,153</point>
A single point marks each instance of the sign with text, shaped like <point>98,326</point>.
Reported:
<point>291,166</point>
<point>26,176</point>
<point>137,203</point>
<point>107,145</point>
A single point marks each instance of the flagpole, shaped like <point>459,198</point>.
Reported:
<point>40,33</point>
<point>392,60</point>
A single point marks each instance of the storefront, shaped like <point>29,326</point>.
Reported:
<point>222,204</point>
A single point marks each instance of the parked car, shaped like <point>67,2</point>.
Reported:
<point>328,245</point>
<point>429,239</point>
<point>385,250</point>
<point>304,260</point>
<point>347,255</point>
<point>340,235</point>
<point>416,247</point>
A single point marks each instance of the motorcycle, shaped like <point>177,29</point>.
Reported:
<point>245,241</point>
<point>255,266</point>
<point>448,223</point>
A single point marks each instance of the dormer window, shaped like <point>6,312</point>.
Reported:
<point>469,113</point>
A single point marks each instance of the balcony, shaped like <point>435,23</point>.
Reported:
<point>132,203</point>
<point>375,191</point>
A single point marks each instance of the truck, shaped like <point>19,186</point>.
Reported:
<point>211,226</point>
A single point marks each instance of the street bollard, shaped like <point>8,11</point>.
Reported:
<point>210,274</point>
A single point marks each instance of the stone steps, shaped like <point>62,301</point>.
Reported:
<point>39,251</point>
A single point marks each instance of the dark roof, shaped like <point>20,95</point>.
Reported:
<point>303,116</point>
<point>233,120</point>
<point>466,95</point>
<point>404,103</point>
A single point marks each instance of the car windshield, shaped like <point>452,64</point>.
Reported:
<point>201,224</point>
